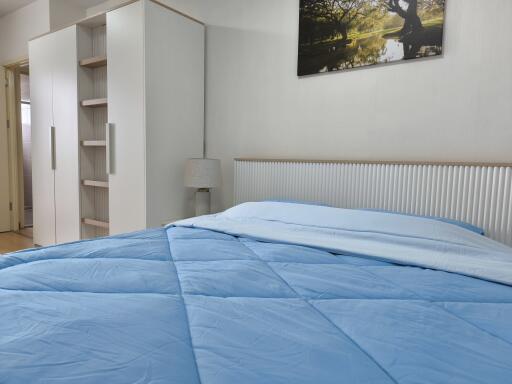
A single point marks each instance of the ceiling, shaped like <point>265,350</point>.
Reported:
<point>7,6</point>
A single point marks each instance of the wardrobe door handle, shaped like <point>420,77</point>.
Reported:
<point>52,148</point>
<point>109,138</point>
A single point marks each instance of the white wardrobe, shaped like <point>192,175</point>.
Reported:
<point>55,160</point>
<point>118,107</point>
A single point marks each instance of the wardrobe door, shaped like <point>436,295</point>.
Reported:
<point>42,53</point>
<point>65,111</point>
<point>125,57</point>
<point>174,93</point>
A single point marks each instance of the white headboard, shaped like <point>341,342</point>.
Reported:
<point>480,194</point>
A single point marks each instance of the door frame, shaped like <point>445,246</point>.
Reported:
<point>15,143</point>
<point>5,179</point>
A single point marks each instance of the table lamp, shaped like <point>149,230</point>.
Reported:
<point>202,174</point>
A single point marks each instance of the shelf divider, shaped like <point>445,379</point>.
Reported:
<point>94,143</point>
<point>95,183</point>
<point>94,103</point>
<point>96,223</point>
<point>94,62</point>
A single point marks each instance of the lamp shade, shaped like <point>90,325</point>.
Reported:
<point>202,173</point>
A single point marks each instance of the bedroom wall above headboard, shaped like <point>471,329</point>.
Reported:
<point>477,193</point>
<point>451,108</point>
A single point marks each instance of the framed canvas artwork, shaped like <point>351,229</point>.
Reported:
<point>343,34</point>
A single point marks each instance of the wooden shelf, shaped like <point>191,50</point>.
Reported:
<point>94,143</point>
<point>94,62</point>
<point>95,183</point>
<point>95,223</point>
<point>94,103</point>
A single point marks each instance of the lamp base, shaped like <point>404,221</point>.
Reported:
<point>202,202</point>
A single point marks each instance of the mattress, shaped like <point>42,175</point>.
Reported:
<point>216,300</point>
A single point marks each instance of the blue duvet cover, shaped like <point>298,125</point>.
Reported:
<point>200,303</point>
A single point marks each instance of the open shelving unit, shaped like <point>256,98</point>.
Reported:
<point>93,116</point>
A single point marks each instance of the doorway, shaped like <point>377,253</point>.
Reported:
<point>26,136</point>
<point>18,147</point>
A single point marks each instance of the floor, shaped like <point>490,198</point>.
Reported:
<point>15,241</point>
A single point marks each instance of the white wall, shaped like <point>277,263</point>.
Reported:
<point>194,8</point>
<point>35,19</point>
<point>458,107</point>
<point>63,13</point>
<point>102,7</point>
<point>18,27</point>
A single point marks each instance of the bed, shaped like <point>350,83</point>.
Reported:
<point>269,292</point>
<point>281,291</point>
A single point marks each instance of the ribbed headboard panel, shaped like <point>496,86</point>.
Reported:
<point>477,194</point>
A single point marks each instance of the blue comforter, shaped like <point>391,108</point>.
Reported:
<point>191,304</point>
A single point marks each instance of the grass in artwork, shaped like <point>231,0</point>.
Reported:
<point>342,34</point>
